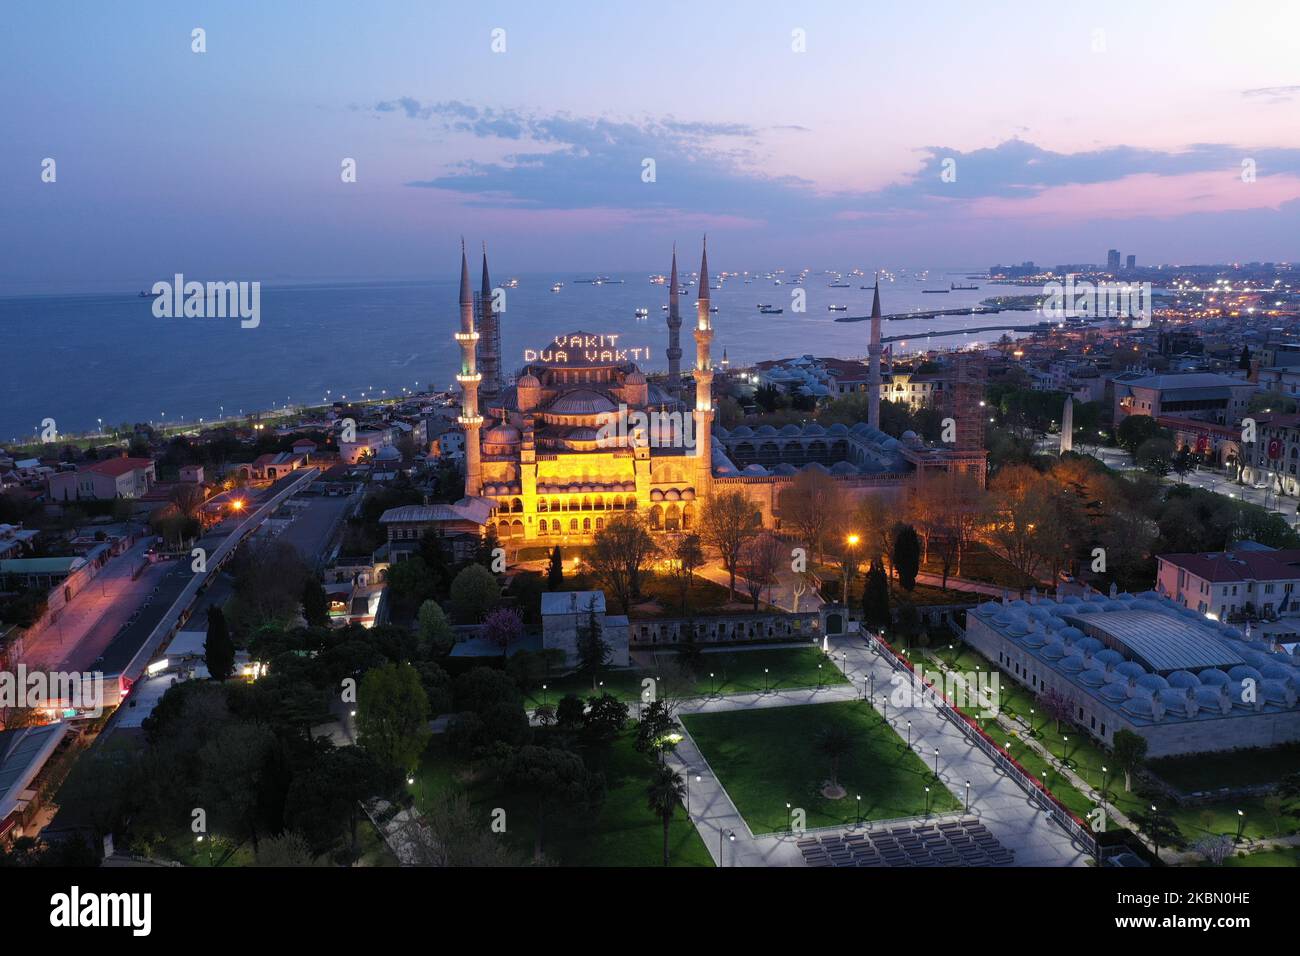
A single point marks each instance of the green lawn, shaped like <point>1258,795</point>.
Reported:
<point>767,758</point>
<point>623,832</point>
<point>1086,757</point>
<point>1290,856</point>
<point>1242,768</point>
<point>739,671</point>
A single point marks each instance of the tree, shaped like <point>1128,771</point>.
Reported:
<point>474,592</point>
<point>233,765</point>
<point>727,524</point>
<point>287,849</point>
<point>593,650</point>
<point>1214,850</point>
<point>393,715</point>
<point>1244,362</point>
<point>218,648</point>
<point>1020,517</point>
<point>618,555</point>
<point>833,742</point>
<point>605,718</point>
<point>326,801</point>
<point>875,598</point>
<point>1135,429</point>
<point>687,557</point>
<point>1160,828</point>
<point>550,778</point>
<point>315,603</point>
<point>555,572</point>
<point>502,627</point>
<point>1130,750</point>
<point>809,504</point>
<point>450,832</point>
<point>760,560</point>
<point>570,712</point>
<point>434,628</point>
<point>1056,705</point>
<point>907,555</point>
<point>654,728</point>
<point>665,792</point>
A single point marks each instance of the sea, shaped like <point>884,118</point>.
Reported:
<point>93,361</point>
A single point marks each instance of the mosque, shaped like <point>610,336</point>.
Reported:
<point>581,435</point>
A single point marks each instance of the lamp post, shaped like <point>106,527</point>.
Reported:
<point>1241,824</point>
<point>968,796</point>
<point>819,677</point>
<point>909,735</point>
<point>543,695</point>
<point>936,763</point>
<point>789,819</point>
<point>765,681</point>
<point>1105,776</point>
<point>927,801</point>
<point>852,542</point>
<point>859,809</point>
<point>714,684</point>
<point>731,835</point>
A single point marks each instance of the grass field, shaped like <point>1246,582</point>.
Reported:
<point>734,672</point>
<point>623,832</point>
<point>767,758</point>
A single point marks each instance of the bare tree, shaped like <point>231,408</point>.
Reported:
<point>809,505</point>
<point>686,556</point>
<point>619,554</point>
<point>729,521</point>
<point>760,560</point>
<point>1214,850</point>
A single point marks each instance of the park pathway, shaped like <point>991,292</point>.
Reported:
<point>1018,819</point>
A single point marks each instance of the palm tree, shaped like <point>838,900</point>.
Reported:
<point>666,790</point>
<point>834,741</point>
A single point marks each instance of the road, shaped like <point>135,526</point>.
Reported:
<point>1207,479</point>
<point>95,614</point>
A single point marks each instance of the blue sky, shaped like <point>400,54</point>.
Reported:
<point>1072,130</point>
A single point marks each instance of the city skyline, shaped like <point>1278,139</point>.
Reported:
<point>227,162</point>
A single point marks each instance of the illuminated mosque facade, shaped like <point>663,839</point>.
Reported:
<point>581,435</point>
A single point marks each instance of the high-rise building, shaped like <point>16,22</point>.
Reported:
<point>1131,263</point>
<point>1112,260</point>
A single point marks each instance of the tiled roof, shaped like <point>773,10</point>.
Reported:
<point>1242,565</point>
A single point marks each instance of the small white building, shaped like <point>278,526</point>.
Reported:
<point>565,613</point>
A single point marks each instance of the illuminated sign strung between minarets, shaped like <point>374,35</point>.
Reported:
<point>469,379</point>
<point>588,348</point>
<point>703,382</point>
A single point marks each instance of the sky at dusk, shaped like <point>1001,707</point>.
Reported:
<point>1070,130</point>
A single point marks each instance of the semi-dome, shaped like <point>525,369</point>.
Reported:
<point>581,401</point>
<point>502,435</point>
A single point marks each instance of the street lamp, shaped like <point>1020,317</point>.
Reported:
<point>1241,824</point>
<point>789,818</point>
<point>852,542</point>
<point>909,735</point>
<point>859,809</point>
<point>765,683</point>
<point>936,763</point>
<point>968,796</point>
<point>927,801</point>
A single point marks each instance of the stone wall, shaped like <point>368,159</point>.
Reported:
<point>731,629</point>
